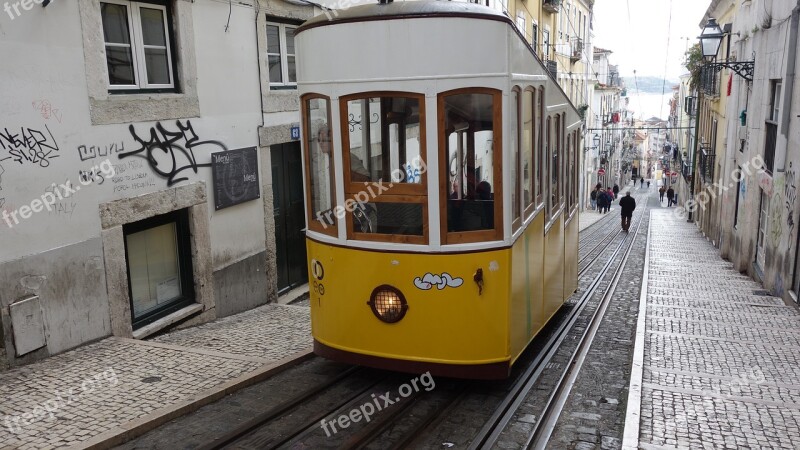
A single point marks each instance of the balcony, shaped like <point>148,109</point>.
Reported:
<point>707,164</point>
<point>769,146</point>
<point>551,5</point>
<point>577,50</point>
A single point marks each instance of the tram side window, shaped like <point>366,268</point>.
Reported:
<point>385,180</point>
<point>555,167</point>
<point>540,148</point>
<point>471,164</point>
<point>319,164</point>
<point>527,150</point>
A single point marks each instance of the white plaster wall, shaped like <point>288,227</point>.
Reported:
<point>43,63</point>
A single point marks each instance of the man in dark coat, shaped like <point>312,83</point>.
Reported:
<point>670,195</point>
<point>627,204</point>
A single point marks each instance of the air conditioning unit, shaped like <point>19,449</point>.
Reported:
<point>742,133</point>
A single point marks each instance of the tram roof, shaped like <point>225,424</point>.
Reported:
<point>406,9</point>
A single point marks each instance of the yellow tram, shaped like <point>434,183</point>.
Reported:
<point>441,163</point>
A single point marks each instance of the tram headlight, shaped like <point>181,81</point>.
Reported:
<point>388,304</point>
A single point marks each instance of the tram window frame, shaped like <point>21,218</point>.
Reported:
<point>407,193</point>
<point>574,171</point>
<point>529,152</point>
<point>516,166</point>
<point>316,225</point>
<point>568,173</point>
<point>540,151</point>
<point>484,235</point>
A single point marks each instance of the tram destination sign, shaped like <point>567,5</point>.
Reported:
<point>235,177</point>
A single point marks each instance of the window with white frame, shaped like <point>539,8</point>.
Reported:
<point>545,44</point>
<point>521,21</point>
<point>137,45</point>
<point>281,54</point>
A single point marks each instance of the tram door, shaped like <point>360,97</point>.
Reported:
<point>289,213</point>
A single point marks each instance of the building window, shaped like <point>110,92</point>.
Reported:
<point>521,22</point>
<point>138,49</point>
<point>281,55</point>
<point>545,44</point>
<point>535,38</point>
<point>383,142</point>
<point>771,126</point>
<point>321,187</point>
<point>470,155</point>
<point>158,254</point>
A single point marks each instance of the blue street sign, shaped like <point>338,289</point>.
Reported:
<point>295,132</point>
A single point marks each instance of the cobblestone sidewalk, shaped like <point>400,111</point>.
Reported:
<point>719,359</point>
<point>79,396</point>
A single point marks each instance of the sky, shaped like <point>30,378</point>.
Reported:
<point>640,42</point>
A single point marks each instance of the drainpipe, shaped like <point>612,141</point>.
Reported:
<point>790,72</point>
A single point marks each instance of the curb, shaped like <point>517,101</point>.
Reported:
<point>137,427</point>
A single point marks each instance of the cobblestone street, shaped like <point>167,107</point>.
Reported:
<point>717,360</point>
<point>100,390</point>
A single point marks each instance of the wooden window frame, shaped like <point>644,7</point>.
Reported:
<point>530,208</point>
<point>416,193</point>
<point>464,237</point>
<point>516,220</point>
<point>313,225</point>
<point>540,152</point>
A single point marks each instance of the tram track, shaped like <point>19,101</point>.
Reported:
<point>498,424</point>
<point>415,421</point>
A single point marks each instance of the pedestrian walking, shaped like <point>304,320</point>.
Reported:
<point>648,185</point>
<point>602,201</point>
<point>661,191</point>
<point>593,198</point>
<point>670,195</point>
<point>641,182</point>
<point>610,194</point>
<point>616,191</point>
<point>627,205</point>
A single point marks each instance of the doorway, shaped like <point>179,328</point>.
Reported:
<point>761,254</point>
<point>289,213</point>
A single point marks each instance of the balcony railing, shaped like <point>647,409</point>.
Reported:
<point>707,165</point>
<point>709,81</point>
<point>769,146</point>
<point>551,5</point>
<point>552,67</point>
<point>686,170</point>
<point>577,50</point>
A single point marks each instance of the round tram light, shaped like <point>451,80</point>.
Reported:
<point>388,304</point>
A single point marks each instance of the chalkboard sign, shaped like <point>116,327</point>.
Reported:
<point>235,177</point>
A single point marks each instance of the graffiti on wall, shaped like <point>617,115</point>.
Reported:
<point>28,146</point>
<point>171,152</point>
<point>776,219</point>
<point>86,152</point>
<point>132,175</point>
<point>65,206</point>
<point>2,199</point>
<point>790,195</point>
<point>46,110</point>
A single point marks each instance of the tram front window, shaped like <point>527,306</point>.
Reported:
<point>384,139</point>
<point>385,182</point>
<point>469,144</point>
